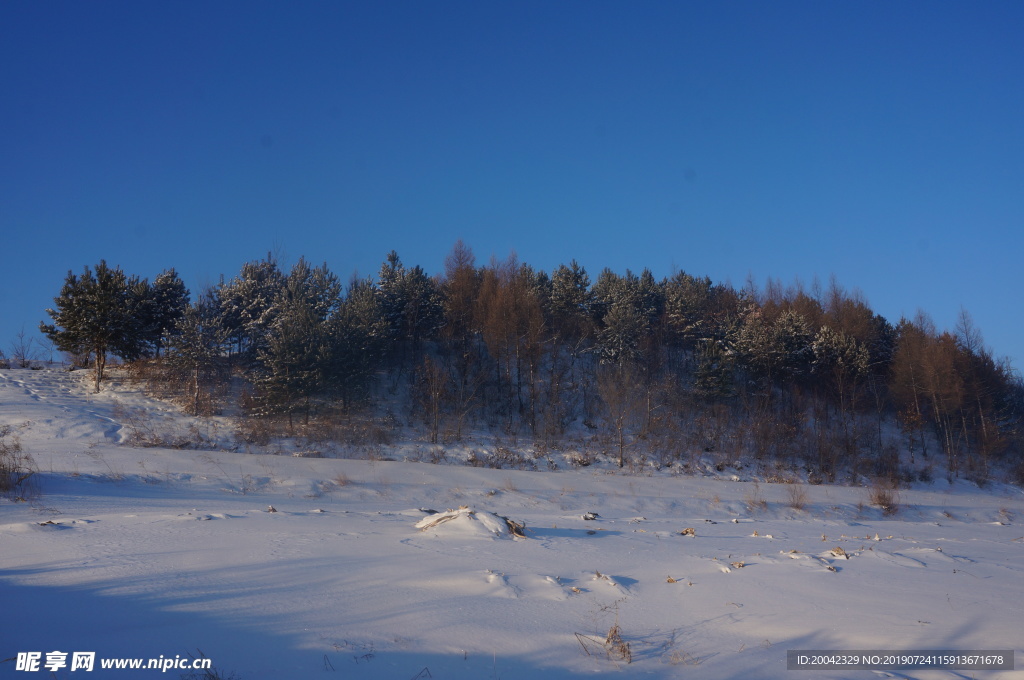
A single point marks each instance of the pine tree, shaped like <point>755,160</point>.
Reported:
<point>619,339</point>
<point>358,339</point>
<point>713,378</point>
<point>138,339</point>
<point>774,351</point>
<point>628,310</point>
<point>291,367</point>
<point>570,303</point>
<point>794,338</point>
<point>842,362</point>
<point>687,300</point>
<point>412,307</point>
<point>570,331</point>
<point>195,348</point>
<point>247,305</point>
<point>170,300</point>
<point>296,356</point>
<point>93,314</point>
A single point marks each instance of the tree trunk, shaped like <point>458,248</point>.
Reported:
<point>195,390</point>
<point>101,362</point>
<point>622,443</point>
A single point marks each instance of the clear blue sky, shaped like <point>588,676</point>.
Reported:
<point>882,142</point>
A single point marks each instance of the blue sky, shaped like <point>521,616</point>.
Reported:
<point>880,142</point>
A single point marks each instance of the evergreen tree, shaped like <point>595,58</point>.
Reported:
<point>774,351</point>
<point>629,309</point>
<point>291,363</point>
<point>713,378</point>
<point>571,330</point>
<point>357,342</point>
<point>195,348</point>
<point>794,338</point>
<point>247,305</point>
<point>687,300</point>
<point>843,362</point>
<point>93,314</point>
<point>752,343</point>
<point>570,303</point>
<point>138,338</point>
<point>411,305</point>
<point>881,345</point>
<point>296,357</point>
<point>839,355</point>
<point>170,300</point>
<point>606,289</point>
<point>623,328</point>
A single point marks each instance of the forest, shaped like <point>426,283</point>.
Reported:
<point>639,370</point>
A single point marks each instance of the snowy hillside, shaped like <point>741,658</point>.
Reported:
<point>291,567</point>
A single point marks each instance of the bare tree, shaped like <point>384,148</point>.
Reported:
<point>432,390</point>
<point>24,350</point>
<point>618,385</point>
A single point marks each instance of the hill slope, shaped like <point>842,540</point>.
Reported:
<point>138,553</point>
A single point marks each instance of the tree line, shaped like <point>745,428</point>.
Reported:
<point>813,377</point>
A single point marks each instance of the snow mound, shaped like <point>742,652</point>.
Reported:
<point>468,522</point>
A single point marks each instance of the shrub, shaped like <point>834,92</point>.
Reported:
<point>797,494</point>
<point>16,466</point>
<point>754,499</point>
<point>885,495</point>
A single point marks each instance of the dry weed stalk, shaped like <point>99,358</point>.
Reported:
<point>754,499</point>
<point>797,494</point>
<point>616,646</point>
<point>886,496</point>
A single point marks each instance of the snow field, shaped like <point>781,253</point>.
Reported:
<point>142,552</point>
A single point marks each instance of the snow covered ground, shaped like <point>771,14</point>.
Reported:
<point>143,552</point>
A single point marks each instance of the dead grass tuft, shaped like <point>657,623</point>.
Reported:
<point>797,495</point>
<point>16,467</point>
<point>754,499</point>
<point>885,495</point>
<point>616,646</point>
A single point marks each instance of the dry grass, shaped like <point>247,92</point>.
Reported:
<point>754,499</point>
<point>210,673</point>
<point>16,467</point>
<point>885,495</point>
<point>617,647</point>
<point>255,431</point>
<point>797,495</point>
<point>676,658</point>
